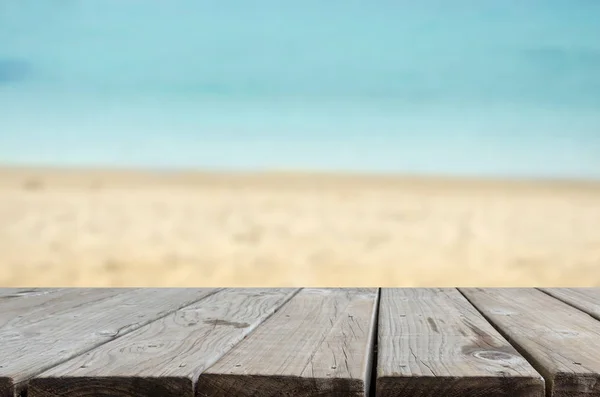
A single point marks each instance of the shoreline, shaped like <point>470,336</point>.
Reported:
<point>71,176</point>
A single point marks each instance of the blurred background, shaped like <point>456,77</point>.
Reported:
<point>340,143</point>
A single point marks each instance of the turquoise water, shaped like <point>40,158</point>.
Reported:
<point>509,88</point>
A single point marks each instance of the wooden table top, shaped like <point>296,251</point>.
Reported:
<point>479,342</point>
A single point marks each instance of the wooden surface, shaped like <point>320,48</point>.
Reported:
<point>18,292</point>
<point>561,341</point>
<point>318,344</point>
<point>585,299</point>
<point>309,342</point>
<point>31,348</point>
<point>433,342</point>
<point>169,354</point>
<point>20,310</point>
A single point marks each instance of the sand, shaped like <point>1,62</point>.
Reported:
<point>119,228</point>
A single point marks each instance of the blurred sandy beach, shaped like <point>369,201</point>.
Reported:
<point>125,228</point>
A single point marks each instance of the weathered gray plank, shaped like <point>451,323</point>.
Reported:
<point>319,343</point>
<point>31,349</point>
<point>168,355</point>
<point>19,300</point>
<point>586,299</point>
<point>17,292</point>
<point>433,342</point>
<point>561,341</point>
<point>9,295</point>
<point>23,309</point>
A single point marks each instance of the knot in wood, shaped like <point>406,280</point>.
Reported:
<point>494,355</point>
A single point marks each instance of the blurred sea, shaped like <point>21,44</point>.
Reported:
<point>506,88</point>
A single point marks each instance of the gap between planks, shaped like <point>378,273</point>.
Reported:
<point>35,346</point>
<point>433,342</point>
<point>561,341</point>
<point>168,355</point>
<point>584,299</point>
<point>554,391</point>
<point>319,343</point>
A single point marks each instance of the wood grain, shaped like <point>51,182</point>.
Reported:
<point>17,301</point>
<point>18,292</point>
<point>168,355</point>
<point>33,348</point>
<point>23,309</point>
<point>585,299</point>
<point>319,343</point>
<point>562,342</point>
<point>433,342</point>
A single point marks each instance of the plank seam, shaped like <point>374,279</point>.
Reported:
<point>597,318</point>
<point>371,381</point>
<point>208,366</point>
<point>548,382</point>
<point>21,387</point>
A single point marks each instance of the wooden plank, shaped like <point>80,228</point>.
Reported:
<point>10,294</point>
<point>433,342</point>
<point>585,299</point>
<point>20,310</point>
<point>562,342</point>
<point>168,355</point>
<point>319,343</point>
<point>30,349</point>
<point>20,299</point>
<point>17,292</point>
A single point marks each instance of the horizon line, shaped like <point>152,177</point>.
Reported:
<point>294,172</point>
